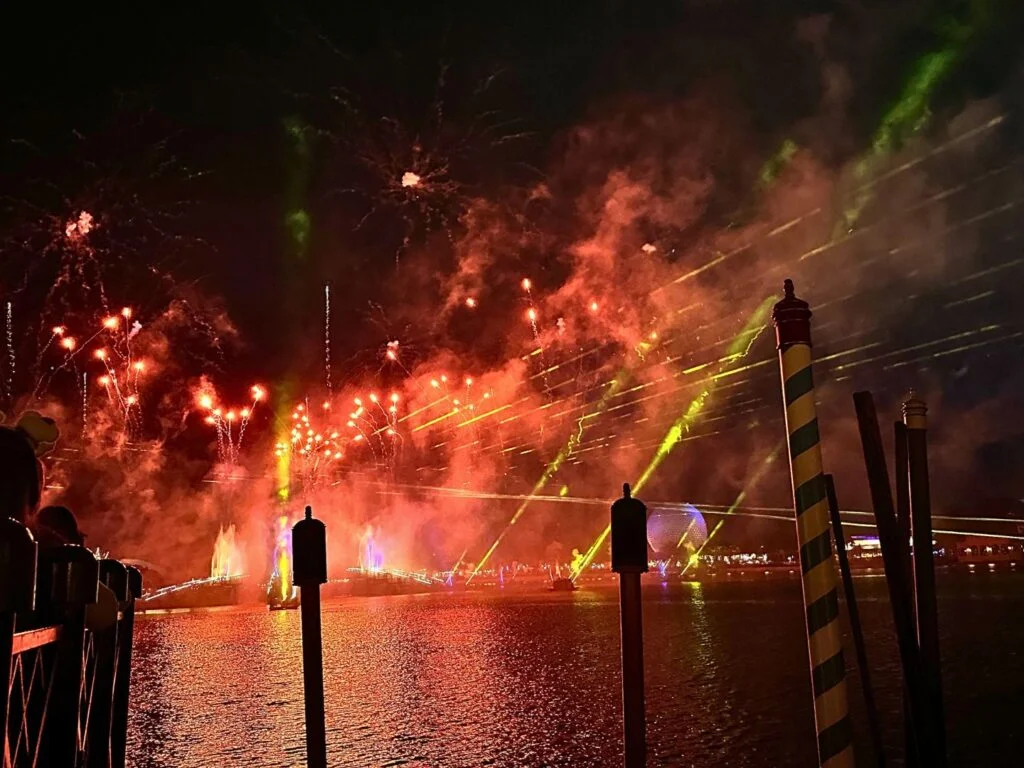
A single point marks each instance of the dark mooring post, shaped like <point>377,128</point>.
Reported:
<point>895,575</point>
<point>916,419</point>
<point>903,523</point>
<point>309,555</point>
<point>860,647</point>
<point>629,560</point>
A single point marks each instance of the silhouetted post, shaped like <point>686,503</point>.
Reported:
<point>895,575</point>
<point>309,555</point>
<point>69,580</point>
<point>629,560</point>
<point>114,576</point>
<point>792,319</point>
<point>123,671</point>
<point>903,525</point>
<point>17,595</point>
<point>860,647</point>
<point>916,419</point>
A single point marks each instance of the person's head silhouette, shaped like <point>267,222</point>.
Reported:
<point>57,525</point>
<point>20,476</point>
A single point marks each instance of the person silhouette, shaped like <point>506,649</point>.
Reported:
<point>21,479</point>
<point>55,525</point>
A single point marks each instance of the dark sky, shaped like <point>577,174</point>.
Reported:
<point>217,80</point>
<point>217,83</point>
<point>178,122</point>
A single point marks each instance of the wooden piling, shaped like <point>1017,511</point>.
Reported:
<point>860,647</point>
<point>821,596</point>
<point>895,576</point>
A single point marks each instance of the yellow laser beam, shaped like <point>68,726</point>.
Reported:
<point>551,469</point>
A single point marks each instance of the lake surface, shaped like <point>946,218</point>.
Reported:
<point>532,679</point>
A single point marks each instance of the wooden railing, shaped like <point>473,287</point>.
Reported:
<point>66,622</point>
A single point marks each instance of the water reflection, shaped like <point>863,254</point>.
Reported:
<point>521,679</point>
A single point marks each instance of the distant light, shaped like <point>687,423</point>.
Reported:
<point>410,179</point>
<point>471,302</point>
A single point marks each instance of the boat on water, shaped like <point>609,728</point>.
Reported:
<point>563,585</point>
<point>281,597</point>
<point>283,605</point>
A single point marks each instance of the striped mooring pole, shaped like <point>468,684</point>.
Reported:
<point>792,319</point>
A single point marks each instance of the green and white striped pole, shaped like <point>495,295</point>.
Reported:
<point>821,597</point>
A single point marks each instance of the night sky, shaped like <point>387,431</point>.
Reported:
<point>246,154</point>
<point>218,83</point>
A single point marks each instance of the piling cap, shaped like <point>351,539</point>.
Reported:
<point>629,534</point>
<point>792,318</point>
<point>309,551</point>
<point>915,411</point>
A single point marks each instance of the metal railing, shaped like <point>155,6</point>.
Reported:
<point>66,624</point>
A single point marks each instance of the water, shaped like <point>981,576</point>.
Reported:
<point>531,679</point>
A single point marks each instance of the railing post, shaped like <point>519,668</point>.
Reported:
<point>123,671</point>
<point>309,556</point>
<point>629,560</point>
<point>113,576</point>
<point>17,595</point>
<point>792,319</point>
<point>68,584</point>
